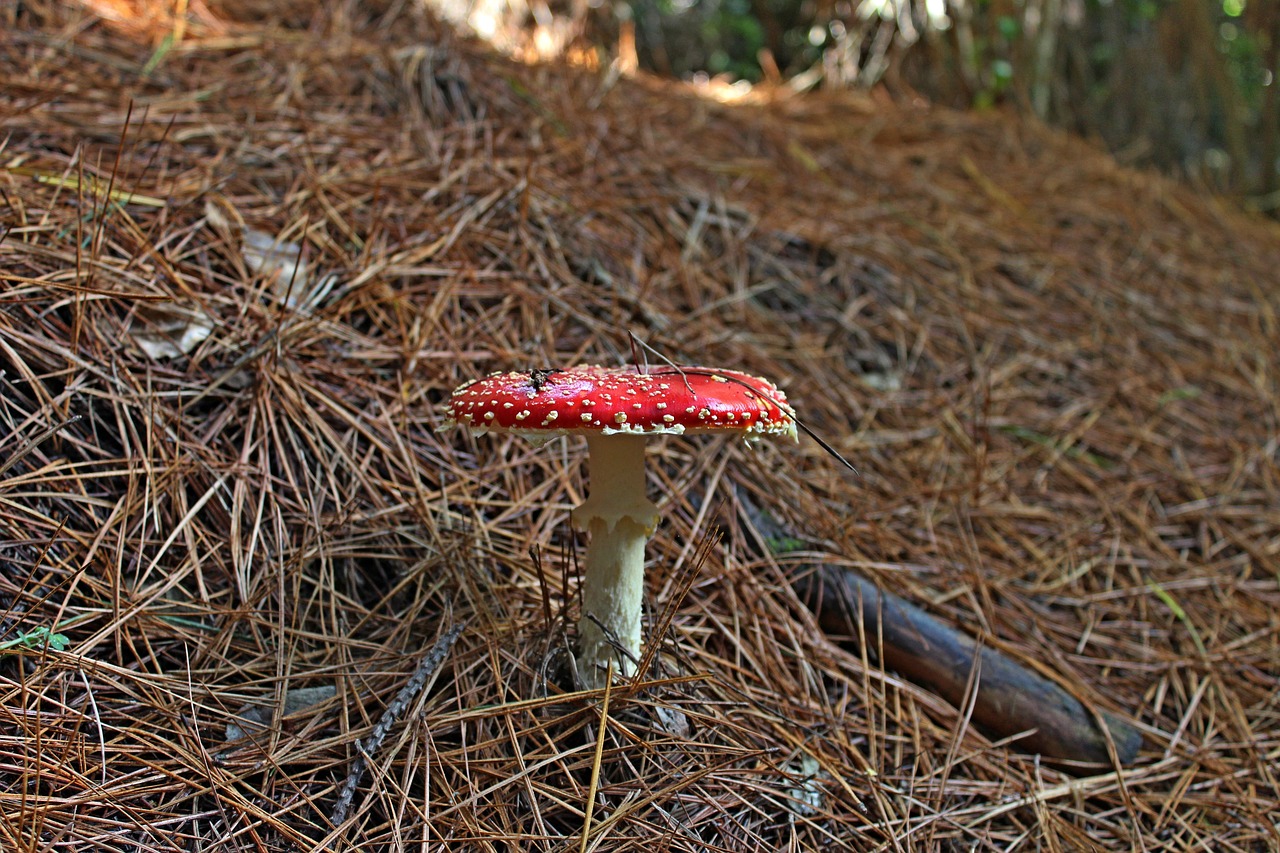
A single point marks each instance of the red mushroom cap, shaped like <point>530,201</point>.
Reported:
<point>609,400</point>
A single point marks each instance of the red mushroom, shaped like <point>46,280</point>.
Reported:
<point>615,409</point>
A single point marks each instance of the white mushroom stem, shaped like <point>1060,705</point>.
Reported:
<point>619,519</point>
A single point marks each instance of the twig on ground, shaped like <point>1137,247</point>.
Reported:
<point>1009,700</point>
<point>366,749</point>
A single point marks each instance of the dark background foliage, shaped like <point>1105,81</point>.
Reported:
<point>1186,86</point>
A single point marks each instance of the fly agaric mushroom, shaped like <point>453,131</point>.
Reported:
<point>615,409</point>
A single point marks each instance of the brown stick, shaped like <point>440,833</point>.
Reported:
<point>1010,699</point>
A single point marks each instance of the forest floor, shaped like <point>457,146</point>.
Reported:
<point>244,268</point>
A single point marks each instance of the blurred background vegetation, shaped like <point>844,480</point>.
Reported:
<point>1186,86</point>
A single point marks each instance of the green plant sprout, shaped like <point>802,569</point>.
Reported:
<point>38,638</point>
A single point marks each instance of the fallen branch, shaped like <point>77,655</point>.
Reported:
<point>369,747</point>
<point>1011,699</point>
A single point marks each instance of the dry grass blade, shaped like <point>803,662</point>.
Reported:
<point>30,444</point>
<point>594,786</point>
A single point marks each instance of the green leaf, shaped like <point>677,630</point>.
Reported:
<point>784,544</point>
<point>161,51</point>
<point>38,638</point>
<point>1186,392</point>
<point>1181,615</point>
<point>1053,444</point>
